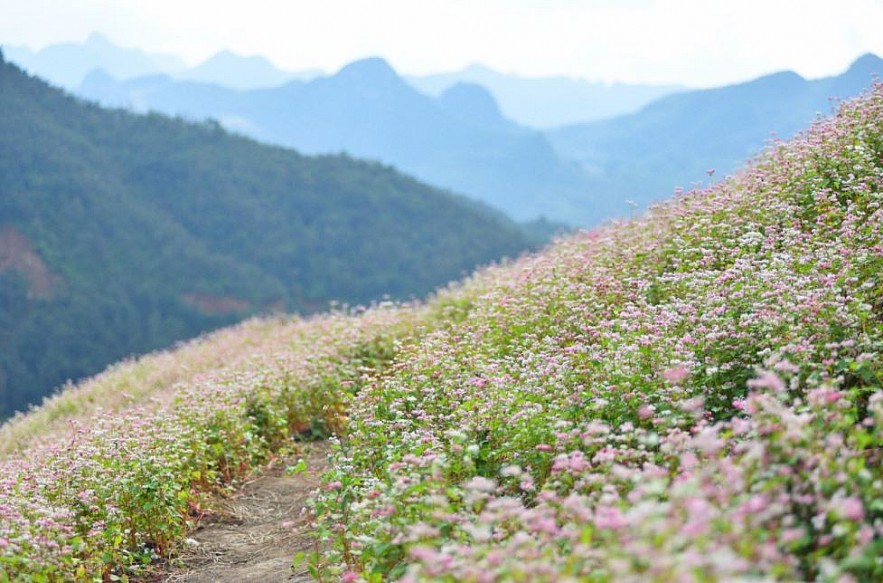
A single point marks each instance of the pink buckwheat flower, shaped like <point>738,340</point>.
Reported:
<point>676,375</point>
<point>852,508</point>
<point>767,380</point>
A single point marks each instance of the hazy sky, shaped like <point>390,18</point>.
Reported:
<point>694,42</point>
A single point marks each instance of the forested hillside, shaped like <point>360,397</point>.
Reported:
<point>120,234</point>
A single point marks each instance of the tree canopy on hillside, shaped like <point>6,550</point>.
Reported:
<point>152,230</point>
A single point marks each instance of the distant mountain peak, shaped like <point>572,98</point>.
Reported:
<point>782,79</point>
<point>98,40</point>
<point>868,63</point>
<point>237,71</point>
<point>473,91</point>
<point>471,101</point>
<point>227,56</point>
<point>372,69</point>
<point>478,68</point>
<point>867,58</point>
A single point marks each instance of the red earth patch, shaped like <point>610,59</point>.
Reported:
<point>17,253</point>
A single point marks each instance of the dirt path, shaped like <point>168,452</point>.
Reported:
<point>254,535</point>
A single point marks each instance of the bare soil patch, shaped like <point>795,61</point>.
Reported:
<point>254,534</point>
<point>16,252</point>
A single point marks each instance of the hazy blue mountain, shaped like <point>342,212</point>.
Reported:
<point>237,72</point>
<point>548,101</point>
<point>66,64</point>
<point>123,233</point>
<point>673,142</point>
<point>459,140</point>
<point>161,93</point>
<point>474,105</point>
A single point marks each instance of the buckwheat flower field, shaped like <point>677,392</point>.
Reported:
<point>95,485</point>
<point>693,395</point>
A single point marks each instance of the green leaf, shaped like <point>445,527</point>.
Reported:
<point>299,468</point>
<point>298,560</point>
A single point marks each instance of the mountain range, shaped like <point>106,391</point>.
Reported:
<point>243,73</point>
<point>533,102</point>
<point>66,64</point>
<point>548,102</point>
<point>579,174</point>
<point>123,233</point>
<point>678,140</point>
<point>459,140</point>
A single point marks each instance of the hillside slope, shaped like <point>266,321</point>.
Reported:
<point>693,395</point>
<point>125,233</point>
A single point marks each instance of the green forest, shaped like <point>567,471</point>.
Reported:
<point>127,233</point>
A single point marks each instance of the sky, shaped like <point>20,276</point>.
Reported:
<point>699,43</point>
